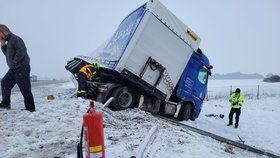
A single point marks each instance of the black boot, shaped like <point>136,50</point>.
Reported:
<point>4,106</point>
<point>236,125</point>
<point>229,124</point>
<point>82,95</point>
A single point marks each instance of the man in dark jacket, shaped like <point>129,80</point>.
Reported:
<point>18,60</point>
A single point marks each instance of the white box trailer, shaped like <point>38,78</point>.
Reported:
<point>153,34</point>
<point>151,54</point>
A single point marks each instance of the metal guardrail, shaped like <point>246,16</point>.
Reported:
<point>222,139</point>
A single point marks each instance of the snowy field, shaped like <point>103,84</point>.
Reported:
<point>37,83</point>
<point>54,129</point>
<point>251,88</point>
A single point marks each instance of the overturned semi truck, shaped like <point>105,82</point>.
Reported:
<point>152,61</point>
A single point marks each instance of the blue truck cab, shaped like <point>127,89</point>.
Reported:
<point>193,84</point>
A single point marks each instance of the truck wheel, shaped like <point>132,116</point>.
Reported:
<point>185,112</point>
<point>124,98</point>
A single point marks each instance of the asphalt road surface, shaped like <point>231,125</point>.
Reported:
<point>37,83</point>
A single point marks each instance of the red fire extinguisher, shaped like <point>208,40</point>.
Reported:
<point>93,133</point>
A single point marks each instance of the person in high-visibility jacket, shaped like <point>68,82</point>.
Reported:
<point>87,72</point>
<point>236,101</point>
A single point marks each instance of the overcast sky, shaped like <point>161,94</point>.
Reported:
<point>237,35</point>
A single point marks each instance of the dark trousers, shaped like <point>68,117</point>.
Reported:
<point>82,80</point>
<point>237,114</point>
<point>21,77</point>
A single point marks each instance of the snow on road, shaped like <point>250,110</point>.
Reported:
<point>54,129</point>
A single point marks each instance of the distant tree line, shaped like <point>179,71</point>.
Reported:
<point>272,79</point>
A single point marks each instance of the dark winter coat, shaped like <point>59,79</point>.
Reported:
<point>15,52</point>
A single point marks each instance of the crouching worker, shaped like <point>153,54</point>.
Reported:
<point>236,101</point>
<point>88,72</point>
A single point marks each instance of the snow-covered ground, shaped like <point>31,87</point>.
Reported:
<point>54,129</point>
<point>251,88</point>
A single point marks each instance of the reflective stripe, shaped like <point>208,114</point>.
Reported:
<point>86,70</point>
<point>237,106</point>
<point>81,91</point>
<point>83,69</point>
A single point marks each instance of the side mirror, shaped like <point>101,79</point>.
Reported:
<point>210,67</point>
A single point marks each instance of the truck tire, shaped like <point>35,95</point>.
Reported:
<point>185,112</point>
<point>124,98</point>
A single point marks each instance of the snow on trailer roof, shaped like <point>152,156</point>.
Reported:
<point>110,52</point>
<point>173,23</point>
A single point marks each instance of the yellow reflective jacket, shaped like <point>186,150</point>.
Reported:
<point>89,70</point>
<point>236,100</point>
